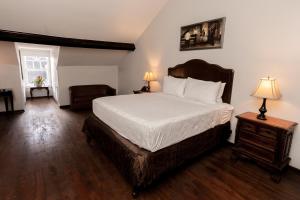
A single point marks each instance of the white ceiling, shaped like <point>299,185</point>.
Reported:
<point>108,20</point>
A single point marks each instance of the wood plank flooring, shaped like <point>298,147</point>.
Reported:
<point>43,155</point>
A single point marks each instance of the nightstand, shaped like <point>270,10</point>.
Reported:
<point>267,142</point>
<point>139,92</point>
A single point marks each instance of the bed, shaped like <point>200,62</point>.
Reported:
<point>140,140</point>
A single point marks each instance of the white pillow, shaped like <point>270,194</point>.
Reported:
<point>204,91</point>
<point>220,93</point>
<point>174,86</point>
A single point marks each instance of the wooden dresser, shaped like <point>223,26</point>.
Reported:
<point>267,142</point>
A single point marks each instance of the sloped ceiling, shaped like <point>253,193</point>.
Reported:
<point>108,20</point>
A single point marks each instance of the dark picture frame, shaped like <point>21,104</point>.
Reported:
<point>203,35</point>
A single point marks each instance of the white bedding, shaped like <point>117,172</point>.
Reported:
<point>157,120</point>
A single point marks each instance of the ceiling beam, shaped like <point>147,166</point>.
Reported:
<point>13,36</point>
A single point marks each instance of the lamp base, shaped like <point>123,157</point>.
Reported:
<point>262,111</point>
<point>261,117</point>
<point>148,87</point>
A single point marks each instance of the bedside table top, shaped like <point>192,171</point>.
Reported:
<point>271,121</point>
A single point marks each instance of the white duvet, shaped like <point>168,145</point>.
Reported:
<point>156,120</point>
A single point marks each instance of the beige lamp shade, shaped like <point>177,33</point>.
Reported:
<point>267,88</point>
<point>149,76</point>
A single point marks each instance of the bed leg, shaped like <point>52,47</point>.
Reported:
<point>135,192</point>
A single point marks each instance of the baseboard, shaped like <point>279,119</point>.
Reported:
<point>28,98</point>
<point>65,107</point>
<point>10,112</point>
<point>229,143</point>
<point>294,169</point>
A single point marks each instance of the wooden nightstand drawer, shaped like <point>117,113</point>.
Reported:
<point>267,133</point>
<point>258,140</point>
<point>256,152</point>
<point>263,131</point>
<point>247,126</point>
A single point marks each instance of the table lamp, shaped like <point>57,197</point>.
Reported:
<point>267,89</point>
<point>149,76</point>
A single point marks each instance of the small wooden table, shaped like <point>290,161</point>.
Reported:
<point>39,88</point>
<point>7,94</point>
<point>267,142</point>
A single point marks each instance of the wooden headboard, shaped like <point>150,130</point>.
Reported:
<point>202,70</point>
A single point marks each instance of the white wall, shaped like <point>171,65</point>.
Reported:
<point>54,53</point>
<point>21,71</point>
<point>69,56</point>
<point>84,75</point>
<point>261,39</point>
<point>10,77</point>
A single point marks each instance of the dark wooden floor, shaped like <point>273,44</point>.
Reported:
<point>43,155</point>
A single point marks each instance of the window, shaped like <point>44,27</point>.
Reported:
<point>36,66</point>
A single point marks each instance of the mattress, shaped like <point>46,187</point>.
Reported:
<point>156,120</point>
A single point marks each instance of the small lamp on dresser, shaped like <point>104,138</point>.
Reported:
<point>267,89</point>
<point>148,77</point>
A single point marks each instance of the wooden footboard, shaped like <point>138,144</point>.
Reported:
<point>141,167</point>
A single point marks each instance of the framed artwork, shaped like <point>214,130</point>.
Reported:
<point>203,35</point>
